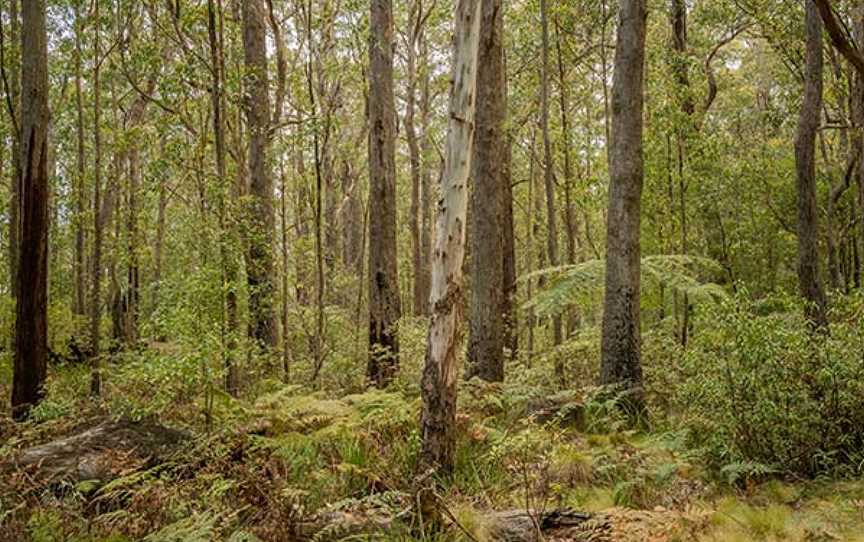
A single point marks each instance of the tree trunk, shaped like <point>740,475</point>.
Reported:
<point>132,295</point>
<point>384,302</point>
<point>81,171</point>
<point>415,218</point>
<point>809,282</point>
<point>564,104</point>
<point>15,192</point>
<point>486,337</point>
<point>301,224</point>
<point>427,164</point>
<point>438,386</point>
<point>682,77</point>
<point>226,244</point>
<point>508,301</point>
<point>96,286</point>
<point>261,220</point>
<point>549,176</point>
<point>31,323</point>
<point>159,248</point>
<point>352,221</point>
<point>621,339</point>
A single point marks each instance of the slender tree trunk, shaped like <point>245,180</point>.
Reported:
<point>438,386</point>
<point>535,249</point>
<point>14,89</point>
<point>81,171</point>
<point>682,77</point>
<point>427,162</point>
<point>260,266</point>
<point>564,104</point>
<point>352,221</point>
<point>604,74</point>
<point>301,223</point>
<point>319,247</point>
<point>840,186</point>
<point>809,282</point>
<point>486,337</point>
<point>283,200</point>
<point>621,336</point>
<point>384,301</point>
<point>159,245</point>
<point>96,286</point>
<point>421,280</point>
<point>226,234</point>
<point>549,175</point>
<point>31,314</point>
<point>131,315</point>
<point>508,301</point>
<point>320,156</point>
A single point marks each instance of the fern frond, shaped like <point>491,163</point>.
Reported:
<point>582,284</point>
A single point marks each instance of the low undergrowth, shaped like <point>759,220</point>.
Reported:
<point>744,446</point>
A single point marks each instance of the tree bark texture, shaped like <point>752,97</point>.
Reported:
<point>31,323</point>
<point>384,301</point>
<point>809,282</point>
<point>486,338</point>
<point>261,259</point>
<point>621,339</point>
<point>438,386</point>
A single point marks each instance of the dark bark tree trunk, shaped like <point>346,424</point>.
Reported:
<point>486,336</point>
<point>621,338</point>
<point>809,282</point>
<point>384,301</point>
<point>96,286</point>
<point>31,323</point>
<point>438,387</point>
<point>261,219</point>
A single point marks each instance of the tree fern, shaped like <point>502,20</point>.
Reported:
<point>581,284</point>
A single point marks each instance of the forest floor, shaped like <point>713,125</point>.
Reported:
<point>290,463</point>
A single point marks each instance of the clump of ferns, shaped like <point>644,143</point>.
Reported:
<point>581,285</point>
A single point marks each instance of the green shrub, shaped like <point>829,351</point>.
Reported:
<point>764,394</point>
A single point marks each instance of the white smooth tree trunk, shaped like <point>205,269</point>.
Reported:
<point>440,373</point>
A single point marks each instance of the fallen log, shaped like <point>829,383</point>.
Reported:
<point>98,453</point>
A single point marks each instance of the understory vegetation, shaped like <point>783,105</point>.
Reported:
<point>739,445</point>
